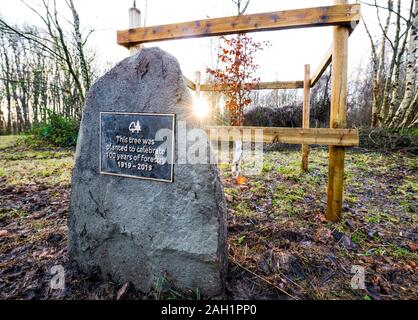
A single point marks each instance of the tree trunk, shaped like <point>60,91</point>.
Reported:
<point>411,112</point>
<point>2,121</point>
<point>394,101</point>
<point>385,108</point>
<point>80,47</point>
<point>375,78</point>
<point>414,122</point>
<point>410,79</point>
<point>382,60</point>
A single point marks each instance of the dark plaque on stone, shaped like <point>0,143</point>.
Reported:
<point>137,145</point>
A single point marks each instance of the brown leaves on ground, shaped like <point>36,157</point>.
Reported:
<point>34,217</point>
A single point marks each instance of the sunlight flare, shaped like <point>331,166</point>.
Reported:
<point>200,107</point>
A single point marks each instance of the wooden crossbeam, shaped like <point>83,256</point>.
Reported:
<point>259,86</point>
<point>326,61</point>
<point>190,84</point>
<point>319,136</point>
<point>339,15</point>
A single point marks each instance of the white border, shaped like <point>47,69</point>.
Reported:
<point>142,114</point>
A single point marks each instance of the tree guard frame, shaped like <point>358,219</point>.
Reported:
<point>344,18</point>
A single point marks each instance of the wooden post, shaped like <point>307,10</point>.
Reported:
<point>338,119</point>
<point>197,80</point>
<point>134,22</point>
<point>305,116</point>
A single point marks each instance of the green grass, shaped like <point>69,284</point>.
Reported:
<point>399,252</point>
<point>24,165</point>
<point>359,236</point>
<point>394,251</point>
<point>39,225</point>
<point>36,155</point>
<point>47,171</point>
<point>8,141</point>
<point>13,213</point>
<point>241,240</point>
<point>374,216</point>
<point>244,210</point>
<point>267,167</point>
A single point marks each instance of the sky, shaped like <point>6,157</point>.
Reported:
<point>284,60</point>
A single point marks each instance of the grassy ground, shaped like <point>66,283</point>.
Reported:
<point>278,231</point>
<point>7,141</point>
<point>280,245</point>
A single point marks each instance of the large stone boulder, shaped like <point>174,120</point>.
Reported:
<point>137,230</point>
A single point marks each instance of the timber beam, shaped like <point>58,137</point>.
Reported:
<point>337,15</point>
<point>325,63</point>
<point>189,83</point>
<point>307,136</point>
<point>257,86</point>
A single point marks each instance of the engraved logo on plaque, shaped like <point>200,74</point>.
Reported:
<point>135,127</point>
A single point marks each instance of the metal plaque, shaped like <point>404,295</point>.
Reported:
<point>137,145</point>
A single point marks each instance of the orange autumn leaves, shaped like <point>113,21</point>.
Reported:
<point>241,180</point>
<point>236,73</point>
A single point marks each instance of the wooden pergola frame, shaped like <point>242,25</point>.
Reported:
<point>343,18</point>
